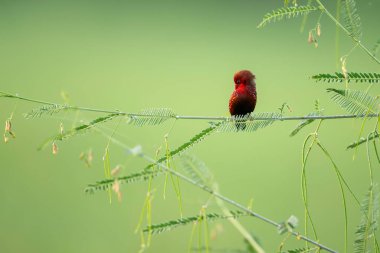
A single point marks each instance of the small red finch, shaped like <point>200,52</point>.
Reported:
<point>243,99</point>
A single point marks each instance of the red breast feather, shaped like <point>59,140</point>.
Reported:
<point>244,97</point>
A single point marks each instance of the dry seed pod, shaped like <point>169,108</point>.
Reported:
<point>318,29</point>
<point>6,139</point>
<point>8,126</point>
<point>90,157</point>
<point>344,69</point>
<point>310,39</point>
<point>116,170</point>
<point>61,130</point>
<point>116,189</point>
<point>54,148</point>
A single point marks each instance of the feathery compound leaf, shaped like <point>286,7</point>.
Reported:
<point>197,138</point>
<point>286,12</point>
<point>304,123</point>
<point>167,226</point>
<point>368,224</point>
<point>351,18</point>
<point>152,116</point>
<point>107,183</point>
<point>302,250</point>
<point>363,140</point>
<point>47,109</point>
<point>196,169</point>
<point>355,101</point>
<point>351,77</point>
<point>249,124</point>
<point>78,130</point>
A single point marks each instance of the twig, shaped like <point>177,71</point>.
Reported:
<point>347,32</point>
<point>189,117</point>
<point>221,197</point>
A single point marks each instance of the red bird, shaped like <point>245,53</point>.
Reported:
<point>243,99</point>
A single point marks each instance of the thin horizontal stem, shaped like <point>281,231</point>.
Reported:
<point>218,195</point>
<point>189,117</point>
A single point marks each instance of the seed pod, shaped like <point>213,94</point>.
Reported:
<point>61,130</point>
<point>54,148</point>
<point>318,29</point>
<point>116,170</point>
<point>344,69</point>
<point>116,189</point>
<point>310,39</point>
<point>8,126</point>
<point>6,139</point>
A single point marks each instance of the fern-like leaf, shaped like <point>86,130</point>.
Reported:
<point>170,225</point>
<point>368,224</point>
<point>47,109</point>
<point>196,169</point>
<point>355,101</point>
<point>181,149</point>
<point>152,116</point>
<point>132,178</point>
<point>78,130</point>
<point>105,184</point>
<point>351,19</point>
<point>304,123</point>
<point>301,250</point>
<point>249,124</point>
<point>351,77</point>
<point>286,12</point>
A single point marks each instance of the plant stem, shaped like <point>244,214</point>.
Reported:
<point>220,196</point>
<point>347,32</point>
<point>189,117</point>
<point>237,224</point>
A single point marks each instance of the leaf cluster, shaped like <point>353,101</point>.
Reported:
<point>286,12</point>
<point>351,77</point>
<point>169,225</point>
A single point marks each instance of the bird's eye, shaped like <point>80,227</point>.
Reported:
<point>237,81</point>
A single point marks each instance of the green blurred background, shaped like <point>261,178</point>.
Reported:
<point>131,55</point>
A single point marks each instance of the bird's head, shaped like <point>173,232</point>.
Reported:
<point>244,77</point>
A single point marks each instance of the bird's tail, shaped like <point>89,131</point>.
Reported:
<point>241,125</point>
<point>241,122</point>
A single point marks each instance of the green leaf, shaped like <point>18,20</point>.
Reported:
<point>365,232</point>
<point>363,140</point>
<point>196,169</point>
<point>355,101</point>
<point>170,225</point>
<point>351,77</point>
<point>78,130</point>
<point>45,110</point>
<point>351,18</point>
<point>304,123</point>
<point>152,116</point>
<point>301,250</point>
<point>105,184</point>
<point>185,146</point>
<point>286,12</point>
<point>132,178</point>
<point>249,123</point>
